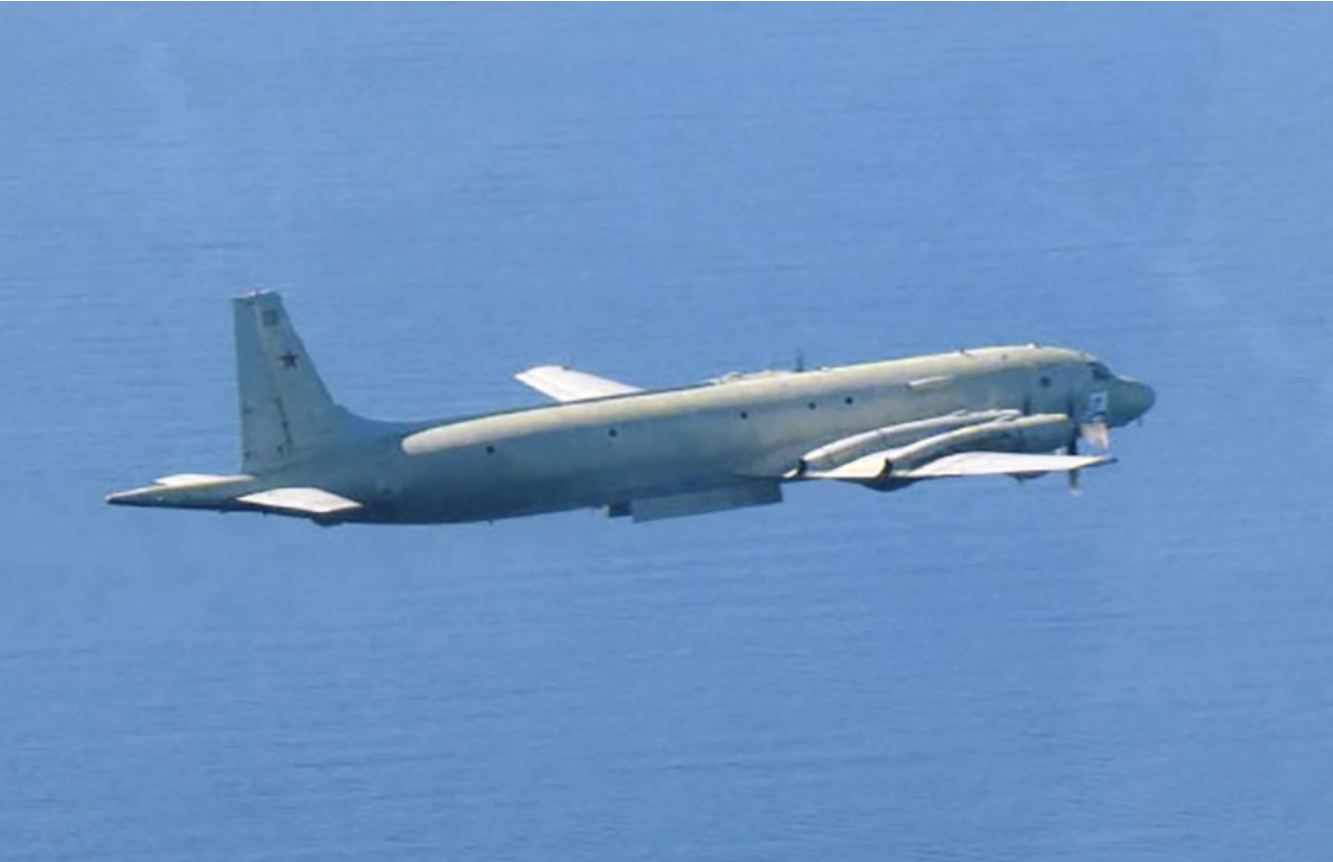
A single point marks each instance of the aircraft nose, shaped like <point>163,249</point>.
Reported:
<point>1131,399</point>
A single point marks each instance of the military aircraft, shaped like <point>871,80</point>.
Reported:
<point>726,443</point>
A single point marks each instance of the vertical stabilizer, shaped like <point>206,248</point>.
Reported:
<point>286,413</point>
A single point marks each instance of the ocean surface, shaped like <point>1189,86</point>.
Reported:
<point>448,195</point>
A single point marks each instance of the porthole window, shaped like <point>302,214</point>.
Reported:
<point>848,400</point>
<point>612,432</point>
<point>745,415</point>
<point>490,450</point>
<point>1045,382</point>
<point>811,405</point>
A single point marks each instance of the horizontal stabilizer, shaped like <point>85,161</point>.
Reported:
<point>198,480</point>
<point>185,491</point>
<point>309,501</point>
<point>566,384</point>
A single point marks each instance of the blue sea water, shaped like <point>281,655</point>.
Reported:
<point>447,195</point>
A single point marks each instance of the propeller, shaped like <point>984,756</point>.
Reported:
<point>1094,432</point>
<point>1071,448</point>
<point>1097,433</point>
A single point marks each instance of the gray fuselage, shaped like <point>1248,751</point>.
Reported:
<point>611,451</point>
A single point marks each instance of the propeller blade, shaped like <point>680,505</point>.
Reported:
<point>1097,433</point>
<point>1071,448</point>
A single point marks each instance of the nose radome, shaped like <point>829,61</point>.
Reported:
<point>1135,399</point>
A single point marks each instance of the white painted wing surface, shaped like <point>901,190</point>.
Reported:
<point>977,463</point>
<point>311,501</point>
<point>1001,464</point>
<point>198,480</point>
<point>863,469</point>
<point>566,384</point>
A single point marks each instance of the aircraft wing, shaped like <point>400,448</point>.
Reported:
<point>1003,464</point>
<point>301,501</point>
<point>977,463</point>
<point>957,444</point>
<point>566,384</point>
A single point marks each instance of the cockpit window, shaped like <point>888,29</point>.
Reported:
<point>1099,371</point>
